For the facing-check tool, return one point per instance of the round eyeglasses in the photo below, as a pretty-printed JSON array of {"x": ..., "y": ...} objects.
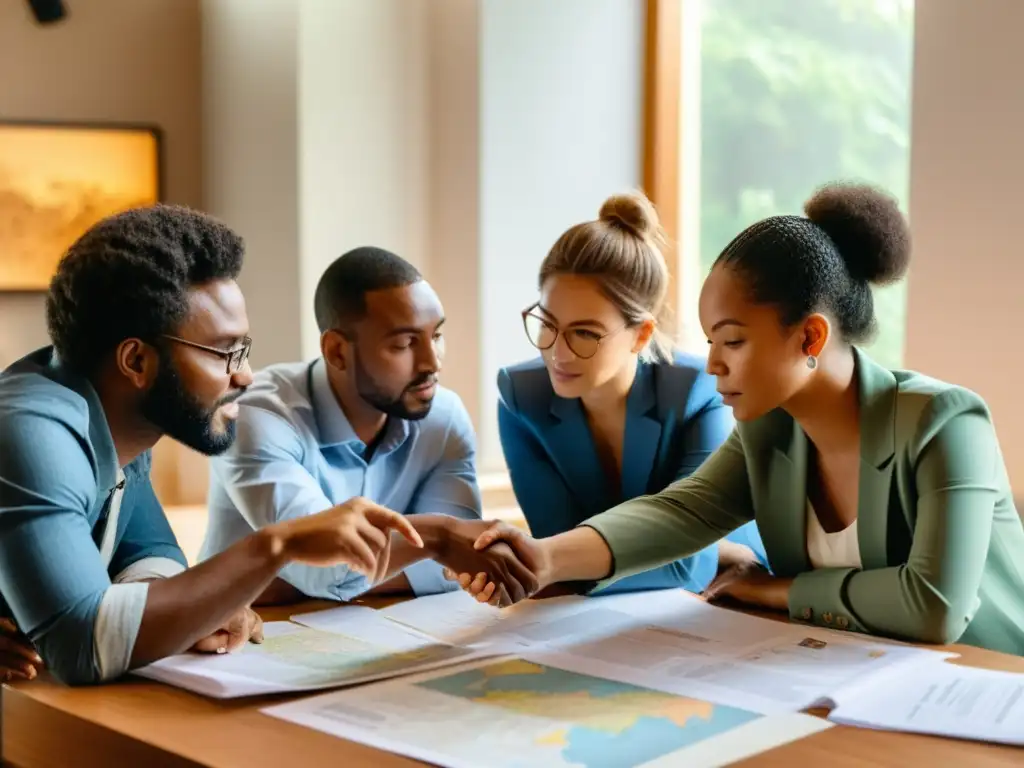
[
  {"x": 542, "y": 333},
  {"x": 234, "y": 358}
]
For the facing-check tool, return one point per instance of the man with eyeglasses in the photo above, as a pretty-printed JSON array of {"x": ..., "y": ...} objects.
[
  {"x": 365, "y": 417},
  {"x": 150, "y": 338}
]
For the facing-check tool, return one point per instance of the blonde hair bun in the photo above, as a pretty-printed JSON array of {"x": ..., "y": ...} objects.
[{"x": 634, "y": 213}]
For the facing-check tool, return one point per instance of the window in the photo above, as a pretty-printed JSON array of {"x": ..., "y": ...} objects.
[{"x": 779, "y": 97}]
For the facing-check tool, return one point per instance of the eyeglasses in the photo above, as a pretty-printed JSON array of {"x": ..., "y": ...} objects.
[
  {"x": 582, "y": 342},
  {"x": 235, "y": 357}
]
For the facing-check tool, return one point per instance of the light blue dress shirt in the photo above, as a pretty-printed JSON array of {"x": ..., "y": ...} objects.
[
  {"x": 78, "y": 534},
  {"x": 296, "y": 454}
]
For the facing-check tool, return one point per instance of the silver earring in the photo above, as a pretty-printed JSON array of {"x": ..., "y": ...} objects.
[{"x": 812, "y": 362}]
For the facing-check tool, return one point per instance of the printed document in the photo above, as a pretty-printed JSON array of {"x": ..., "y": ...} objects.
[
  {"x": 296, "y": 658},
  {"x": 943, "y": 700},
  {"x": 669, "y": 640},
  {"x": 520, "y": 713}
]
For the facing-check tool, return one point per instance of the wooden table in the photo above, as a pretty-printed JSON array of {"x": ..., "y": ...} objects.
[{"x": 142, "y": 723}]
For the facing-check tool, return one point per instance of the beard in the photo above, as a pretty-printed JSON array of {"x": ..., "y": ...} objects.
[
  {"x": 391, "y": 405},
  {"x": 170, "y": 407}
]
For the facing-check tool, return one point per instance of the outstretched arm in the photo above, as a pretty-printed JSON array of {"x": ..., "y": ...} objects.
[
  {"x": 646, "y": 532},
  {"x": 54, "y": 579}
]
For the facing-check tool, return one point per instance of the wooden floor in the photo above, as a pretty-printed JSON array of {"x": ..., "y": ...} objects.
[{"x": 189, "y": 525}]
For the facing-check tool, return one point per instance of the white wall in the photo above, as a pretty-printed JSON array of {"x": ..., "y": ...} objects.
[
  {"x": 965, "y": 313},
  {"x": 453, "y": 193},
  {"x": 465, "y": 135},
  {"x": 362, "y": 107},
  {"x": 561, "y": 89},
  {"x": 251, "y": 150}
]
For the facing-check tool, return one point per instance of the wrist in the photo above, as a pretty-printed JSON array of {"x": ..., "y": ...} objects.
[
  {"x": 272, "y": 544},
  {"x": 435, "y": 530},
  {"x": 547, "y": 572}
]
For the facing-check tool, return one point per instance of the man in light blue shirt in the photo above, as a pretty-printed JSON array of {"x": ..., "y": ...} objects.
[{"x": 367, "y": 419}]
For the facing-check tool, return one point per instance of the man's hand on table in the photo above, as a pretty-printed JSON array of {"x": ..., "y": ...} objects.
[
  {"x": 245, "y": 626},
  {"x": 18, "y": 657}
]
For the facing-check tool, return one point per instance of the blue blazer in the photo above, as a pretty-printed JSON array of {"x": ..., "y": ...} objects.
[{"x": 675, "y": 419}]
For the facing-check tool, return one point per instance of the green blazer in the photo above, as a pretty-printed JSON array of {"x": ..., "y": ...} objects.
[{"x": 941, "y": 543}]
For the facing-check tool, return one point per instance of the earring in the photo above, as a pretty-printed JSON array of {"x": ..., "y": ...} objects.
[{"x": 812, "y": 362}]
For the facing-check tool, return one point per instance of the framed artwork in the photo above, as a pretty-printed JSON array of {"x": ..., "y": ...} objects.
[{"x": 57, "y": 180}]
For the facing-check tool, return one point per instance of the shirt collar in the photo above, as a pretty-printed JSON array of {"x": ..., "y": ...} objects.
[
  {"x": 108, "y": 470},
  {"x": 333, "y": 426}
]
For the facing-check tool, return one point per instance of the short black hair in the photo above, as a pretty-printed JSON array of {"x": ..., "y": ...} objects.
[
  {"x": 129, "y": 276},
  {"x": 340, "y": 297},
  {"x": 853, "y": 236}
]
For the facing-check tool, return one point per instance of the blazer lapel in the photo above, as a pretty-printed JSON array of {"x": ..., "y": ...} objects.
[
  {"x": 782, "y": 523},
  {"x": 572, "y": 448},
  {"x": 643, "y": 434},
  {"x": 877, "y": 449}
]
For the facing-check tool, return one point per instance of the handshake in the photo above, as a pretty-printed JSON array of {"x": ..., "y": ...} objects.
[{"x": 495, "y": 562}]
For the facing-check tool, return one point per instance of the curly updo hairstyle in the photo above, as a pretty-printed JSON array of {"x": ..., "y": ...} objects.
[{"x": 853, "y": 237}]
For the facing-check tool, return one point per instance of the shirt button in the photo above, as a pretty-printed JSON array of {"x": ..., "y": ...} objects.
[
  {"x": 826, "y": 617},
  {"x": 842, "y": 622},
  {"x": 806, "y": 614}
]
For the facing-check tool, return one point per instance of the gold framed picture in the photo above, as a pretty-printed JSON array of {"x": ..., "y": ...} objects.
[{"x": 57, "y": 180}]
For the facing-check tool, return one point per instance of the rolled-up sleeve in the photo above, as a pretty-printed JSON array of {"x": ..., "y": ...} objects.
[
  {"x": 452, "y": 489},
  {"x": 52, "y": 576},
  {"x": 264, "y": 477}
]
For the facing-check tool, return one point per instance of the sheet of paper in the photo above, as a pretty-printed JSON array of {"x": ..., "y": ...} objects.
[
  {"x": 519, "y": 713},
  {"x": 735, "y": 659},
  {"x": 449, "y": 617},
  {"x": 296, "y": 658},
  {"x": 943, "y": 700},
  {"x": 344, "y": 619},
  {"x": 457, "y": 618}
]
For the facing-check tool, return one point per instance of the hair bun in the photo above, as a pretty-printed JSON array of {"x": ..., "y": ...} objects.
[
  {"x": 867, "y": 227},
  {"x": 632, "y": 212}
]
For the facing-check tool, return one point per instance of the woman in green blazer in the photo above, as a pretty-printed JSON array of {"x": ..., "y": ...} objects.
[{"x": 881, "y": 496}]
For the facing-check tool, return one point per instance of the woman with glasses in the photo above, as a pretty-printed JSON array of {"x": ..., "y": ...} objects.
[{"x": 610, "y": 412}]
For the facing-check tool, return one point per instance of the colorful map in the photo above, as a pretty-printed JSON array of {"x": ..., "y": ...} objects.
[
  {"x": 311, "y": 657},
  {"x": 595, "y": 723}
]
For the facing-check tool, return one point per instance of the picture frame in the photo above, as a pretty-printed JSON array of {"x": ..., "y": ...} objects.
[{"x": 57, "y": 179}]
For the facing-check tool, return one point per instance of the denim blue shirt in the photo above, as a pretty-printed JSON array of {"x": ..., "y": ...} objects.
[
  {"x": 296, "y": 454},
  {"x": 58, "y": 473},
  {"x": 675, "y": 419}
]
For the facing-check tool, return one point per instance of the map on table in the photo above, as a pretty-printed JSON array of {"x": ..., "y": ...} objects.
[
  {"x": 517, "y": 713},
  {"x": 296, "y": 658},
  {"x": 588, "y": 721}
]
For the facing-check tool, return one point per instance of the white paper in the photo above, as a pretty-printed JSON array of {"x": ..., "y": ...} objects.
[
  {"x": 450, "y": 617},
  {"x": 518, "y": 713},
  {"x": 296, "y": 658},
  {"x": 943, "y": 700},
  {"x": 457, "y": 618},
  {"x": 669, "y": 640},
  {"x": 734, "y": 659}
]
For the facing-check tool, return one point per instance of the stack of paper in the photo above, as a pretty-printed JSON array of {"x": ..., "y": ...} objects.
[
  {"x": 637, "y": 679},
  {"x": 667, "y": 640}
]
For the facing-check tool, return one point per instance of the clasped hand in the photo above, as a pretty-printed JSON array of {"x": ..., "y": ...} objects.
[{"x": 512, "y": 545}]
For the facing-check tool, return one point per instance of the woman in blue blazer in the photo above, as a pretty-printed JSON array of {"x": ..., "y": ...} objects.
[{"x": 609, "y": 412}]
